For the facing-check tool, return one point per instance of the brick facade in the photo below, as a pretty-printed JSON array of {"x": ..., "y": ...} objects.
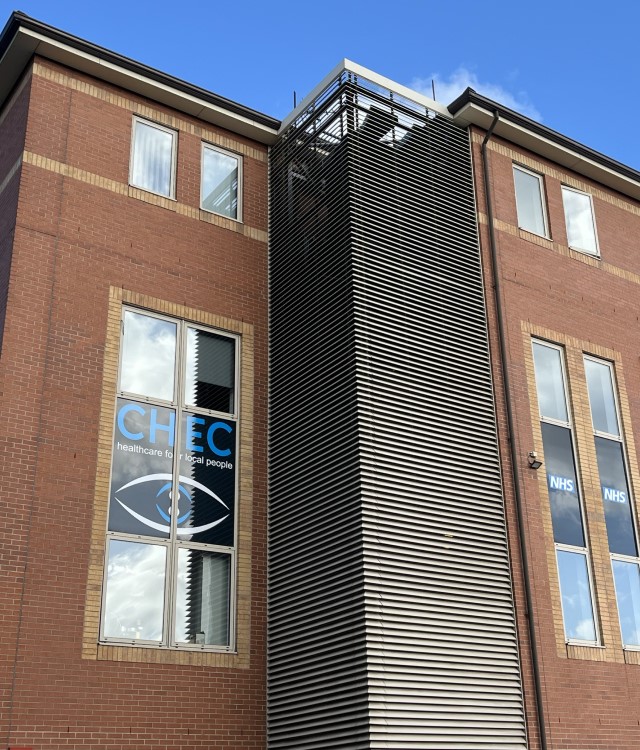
[
  {"x": 587, "y": 305},
  {"x": 84, "y": 242}
]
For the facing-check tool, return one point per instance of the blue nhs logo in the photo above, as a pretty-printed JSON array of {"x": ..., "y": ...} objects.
[
  {"x": 561, "y": 483},
  {"x": 614, "y": 496}
]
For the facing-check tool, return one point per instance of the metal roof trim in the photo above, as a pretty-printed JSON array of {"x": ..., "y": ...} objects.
[
  {"x": 472, "y": 108},
  {"x": 23, "y": 37}
]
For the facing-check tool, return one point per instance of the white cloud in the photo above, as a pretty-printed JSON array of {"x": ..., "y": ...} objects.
[{"x": 449, "y": 88}]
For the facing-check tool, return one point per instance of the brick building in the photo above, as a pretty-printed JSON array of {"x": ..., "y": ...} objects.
[{"x": 453, "y": 384}]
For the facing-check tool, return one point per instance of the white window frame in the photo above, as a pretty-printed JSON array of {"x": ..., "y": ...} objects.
[
  {"x": 585, "y": 551},
  {"x": 173, "y": 545},
  {"x": 595, "y": 254},
  {"x": 174, "y": 155},
  {"x": 619, "y": 439},
  {"x": 543, "y": 200},
  {"x": 238, "y": 157}
]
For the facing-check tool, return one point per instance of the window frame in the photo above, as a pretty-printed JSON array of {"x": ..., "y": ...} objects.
[
  {"x": 595, "y": 254},
  {"x": 543, "y": 200},
  {"x": 206, "y": 145},
  {"x": 620, "y": 438},
  {"x": 174, "y": 156},
  {"x": 560, "y": 546},
  {"x": 172, "y": 543}
]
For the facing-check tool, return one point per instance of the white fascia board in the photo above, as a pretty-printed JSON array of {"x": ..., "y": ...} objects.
[
  {"x": 104, "y": 70},
  {"x": 473, "y": 114},
  {"x": 369, "y": 75}
]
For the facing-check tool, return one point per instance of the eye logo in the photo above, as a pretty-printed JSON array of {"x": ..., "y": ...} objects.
[{"x": 183, "y": 493}]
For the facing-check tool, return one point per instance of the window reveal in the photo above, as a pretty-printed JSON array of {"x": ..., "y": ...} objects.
[
  {"x": 572, "y": 553},
  {"x": 153, "y": 157},
  {"x": 616, "y": 497},
  {"x": 171, "y": 532},
  {"x": 530, "y": 201},
  {"x": 221, "y": 182},
  {"x": 579, "y": 218}
]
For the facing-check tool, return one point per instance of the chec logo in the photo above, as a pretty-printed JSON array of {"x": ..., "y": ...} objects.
[{"x": 165, "y": 490}]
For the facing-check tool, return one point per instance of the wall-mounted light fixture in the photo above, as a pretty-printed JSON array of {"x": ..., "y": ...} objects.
[{"x": 534, "y": 461}]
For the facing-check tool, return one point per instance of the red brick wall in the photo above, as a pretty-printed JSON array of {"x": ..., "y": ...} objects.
[
  {"x": 73, "y": 240},
  {"x": 591, "y": 700}
]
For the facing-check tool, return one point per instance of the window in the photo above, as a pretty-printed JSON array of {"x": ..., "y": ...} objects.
[
  {"x": 616, "y": 498},
  {"x": 170, "y": 551},
  {"x": 221, "y": 182},
  {"x": 569, "y": 535},
  {"x": 530, "y": 201},
  {"x": 578, "y": 214},
  {"x": 153, "y": 157}
]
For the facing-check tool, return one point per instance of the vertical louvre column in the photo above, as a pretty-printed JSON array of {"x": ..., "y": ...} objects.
[{"x": 380, "y": 361}]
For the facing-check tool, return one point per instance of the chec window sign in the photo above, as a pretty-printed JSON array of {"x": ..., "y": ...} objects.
[{"x": 170, "y": 553}]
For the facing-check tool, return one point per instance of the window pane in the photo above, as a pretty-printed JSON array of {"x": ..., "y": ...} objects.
[
  {"x": 202, "y": 604},
  {"x": 220, "y": 183},
  {"x": 148, "y": 356},
  {"x": 615, "y": 497},
  {"x": 529, "y": 202},
  {"x": 576, "y": 596},
  {"x": 134, "y": 600},
  {"x": 601, "y": 398},
  {"x": 210, "y": 371},
  {"x": 141, "y": 476},
  {"x": 627, "y": 581},
  {"x": 578, "y": 214},
  {"x": 562, "y": 484},
  {"x": 550, "y": 382},
  {"x": 152, "y": 158},
  {"x": 207, "y": 480}
]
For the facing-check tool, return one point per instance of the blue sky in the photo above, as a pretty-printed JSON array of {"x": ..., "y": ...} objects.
[{"x": 571, "y": 65}]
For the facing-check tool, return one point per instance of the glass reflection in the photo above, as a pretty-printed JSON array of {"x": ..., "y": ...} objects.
[
  {"x": 579, "y": 219},
  {"x": 529, "y": 202},
  {"x": 148, "y": 356},
  {"x": 220, "y": 183},
  {"x": 140, "y": 501},
  {"x": 202, "y": 606},
  {"x": 134, "y": 600},
  {"x": 627, "y": 579},
  {"x": 210, "y": 371},
  {"x": 576, "y": 596},
  {"x": 207, "y": 470},
  {"x": 550, "y": 382},
  {"x": 601, "y": 398},
  {"x": 563, "y": 486},
  {"x": 615, "y": 497}
]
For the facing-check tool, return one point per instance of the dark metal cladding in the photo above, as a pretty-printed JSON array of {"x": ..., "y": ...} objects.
[{"x": 391, "y": 613}]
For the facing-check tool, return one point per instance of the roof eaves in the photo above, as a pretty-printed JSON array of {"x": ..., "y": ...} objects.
[
  {"x": 473, "y": 108},
  {"x": 22, "y": 37}
]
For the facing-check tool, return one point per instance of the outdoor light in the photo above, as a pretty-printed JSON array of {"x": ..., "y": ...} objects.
[{"x": 534, "y": 461}]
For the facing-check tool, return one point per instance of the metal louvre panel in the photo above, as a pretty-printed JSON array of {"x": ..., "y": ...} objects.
[
  {"x": 438, "y": 593},
  {"x": 317, "y": 678},
  {"x": 390, "y": 602}
]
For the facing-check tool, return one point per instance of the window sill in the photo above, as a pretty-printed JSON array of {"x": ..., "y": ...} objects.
[
  {"x": 207, "y": 212},
  {"x": 155, "y": 655}
]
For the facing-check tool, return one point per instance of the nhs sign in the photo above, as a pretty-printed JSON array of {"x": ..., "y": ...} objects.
[
  {"x": 563, "y": 484},
  {"x": 614, "y": 496}
]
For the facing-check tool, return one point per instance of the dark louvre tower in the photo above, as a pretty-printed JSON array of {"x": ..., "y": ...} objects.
[{"x": 391, "y": 613}]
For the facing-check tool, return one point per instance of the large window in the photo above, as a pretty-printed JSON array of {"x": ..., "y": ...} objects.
[
  {"x": 578, "y": 214},
  {"x": 153, "y": 158},
  {"x": 569, "y": 535},
  {"x": 532, "y": 214},
  {"x": 221, "y": 182},
  {"x": 170, "y": 553},
  {"x": 616, "y": 498}
]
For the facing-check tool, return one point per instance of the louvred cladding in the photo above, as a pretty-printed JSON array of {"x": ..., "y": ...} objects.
[{"x": 391, "y": 612}]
